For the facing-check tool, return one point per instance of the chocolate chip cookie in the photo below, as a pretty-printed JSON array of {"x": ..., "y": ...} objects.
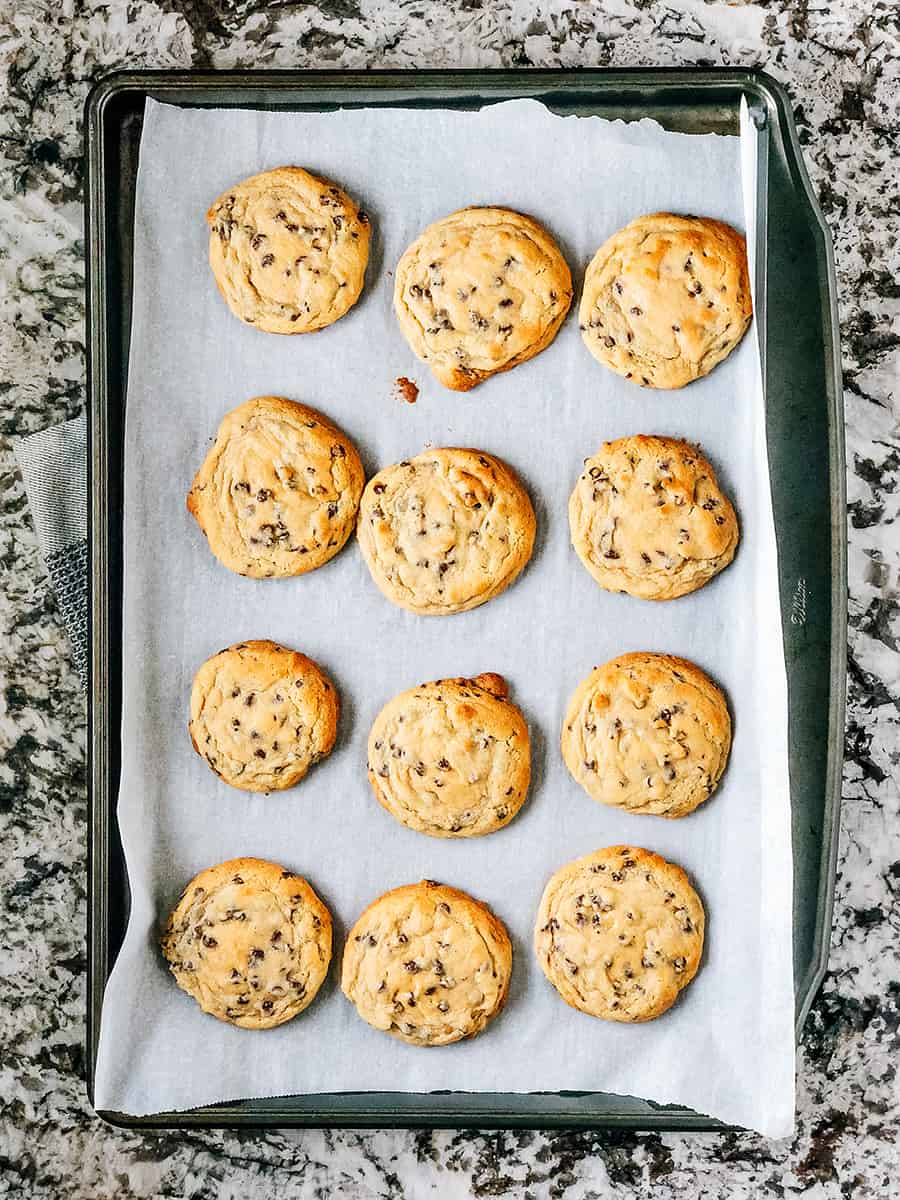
[
  {"x": 278, "y": 491},
  {"x": 648, "y": 517},
  {"x": 428, "y": 964},
  {"x": 261, "y": 715},
  {"x": 451, "y": 758},
  {"x": 649, "y": 733},
  {"x": 445, "y": 531},
  {"x": 480, "y": 292},
  {"x": 666, "y": 299},
  {"x": 288, "y": 251},
  {"x": 250, "y": 941},
  {"x": 619, "y": 933}
]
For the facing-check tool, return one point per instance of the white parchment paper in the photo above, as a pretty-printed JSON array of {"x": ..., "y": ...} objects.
[{"x": 727, "y": 1047}]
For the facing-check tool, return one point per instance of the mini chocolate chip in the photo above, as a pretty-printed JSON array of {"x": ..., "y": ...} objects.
[{"x": 267, "y": 260}]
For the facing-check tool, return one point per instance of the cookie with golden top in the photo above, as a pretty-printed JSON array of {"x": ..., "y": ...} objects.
[
  {"x": 451, "y": 758},
  {"x": 250, "y": 941},
  {"x": 648, "y": 517},
  {"x": 288, "y": 250},
  {"x": 666, "y": 299},
  {"x": 261, "y": 715},
  {"x": 278, "y": 491},
  {"x": 481, "y": 291},
  {"x": 649, "y": 733},
  {"x": 445, "y": 531},
  {"x": 428, "y": 964},
  {"x": 619, "y": 933}
]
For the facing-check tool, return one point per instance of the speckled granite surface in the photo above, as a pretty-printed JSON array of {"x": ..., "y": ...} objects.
[{"x": 842, "y": 64}]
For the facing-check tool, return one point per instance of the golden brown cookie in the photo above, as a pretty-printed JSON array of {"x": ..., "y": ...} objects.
[
  {"x": 451, "y": 758},
  {"x": 446, "y": 531},
  {"x": 279, "y": 490},
  {"x": 250, "y": 941},
  {"x": 480, "y": 292},
  {"x": 288, "y": 251},
  {"x": 666, "y": 298},
  {"x": 428, "y": 964},
  {"x": 261, "y": 715},
  {"x": 649, "y": 733},
  {"x": 619, "y": 933},
  {"x": 648, "y": 517}
]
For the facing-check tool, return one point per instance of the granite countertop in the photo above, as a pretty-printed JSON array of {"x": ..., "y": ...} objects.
[{"x": 840, "y": 62}]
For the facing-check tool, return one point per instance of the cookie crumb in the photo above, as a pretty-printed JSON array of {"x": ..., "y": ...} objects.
[{"x": 406, "y": 389}]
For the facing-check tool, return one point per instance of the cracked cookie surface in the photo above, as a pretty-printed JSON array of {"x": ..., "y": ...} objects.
[
  {"x": 481, "y": 291},
  {"x": 666, "y": 299},
  {"x": 288, "y": 251},
  {"x": 250, "y": 941},
  {"x": 445, "y": 531},
  {"x": 649, "y": 733},
  {"x": 619, "y": 933},
  {"x": 278, "y": 491},
  {"x": 261, "y": 715},
  {"x": 428, "y": 964},
  {"x": 648, "y": 517},
  {"x": 451, "y": 758}
]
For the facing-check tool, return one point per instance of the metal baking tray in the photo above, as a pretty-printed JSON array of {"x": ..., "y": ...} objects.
[{"x": 799, "y": 334}]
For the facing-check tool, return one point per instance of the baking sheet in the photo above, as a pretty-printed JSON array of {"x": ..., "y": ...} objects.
[{"x": 727, "y": 1047}]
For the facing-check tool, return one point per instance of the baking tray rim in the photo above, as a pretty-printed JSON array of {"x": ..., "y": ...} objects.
[{"x": 751, "y": 81}]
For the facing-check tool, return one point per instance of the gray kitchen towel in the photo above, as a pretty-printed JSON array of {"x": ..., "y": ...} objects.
[{"x": 54, "y": 471}]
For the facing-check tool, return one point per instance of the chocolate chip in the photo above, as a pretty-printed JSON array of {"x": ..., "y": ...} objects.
[
  {"x": 412, "y": 966},
  {"x": 267, "y": 260}
]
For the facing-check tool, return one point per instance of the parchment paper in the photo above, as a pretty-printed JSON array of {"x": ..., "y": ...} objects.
[{"x": 727, "y": 1047}]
